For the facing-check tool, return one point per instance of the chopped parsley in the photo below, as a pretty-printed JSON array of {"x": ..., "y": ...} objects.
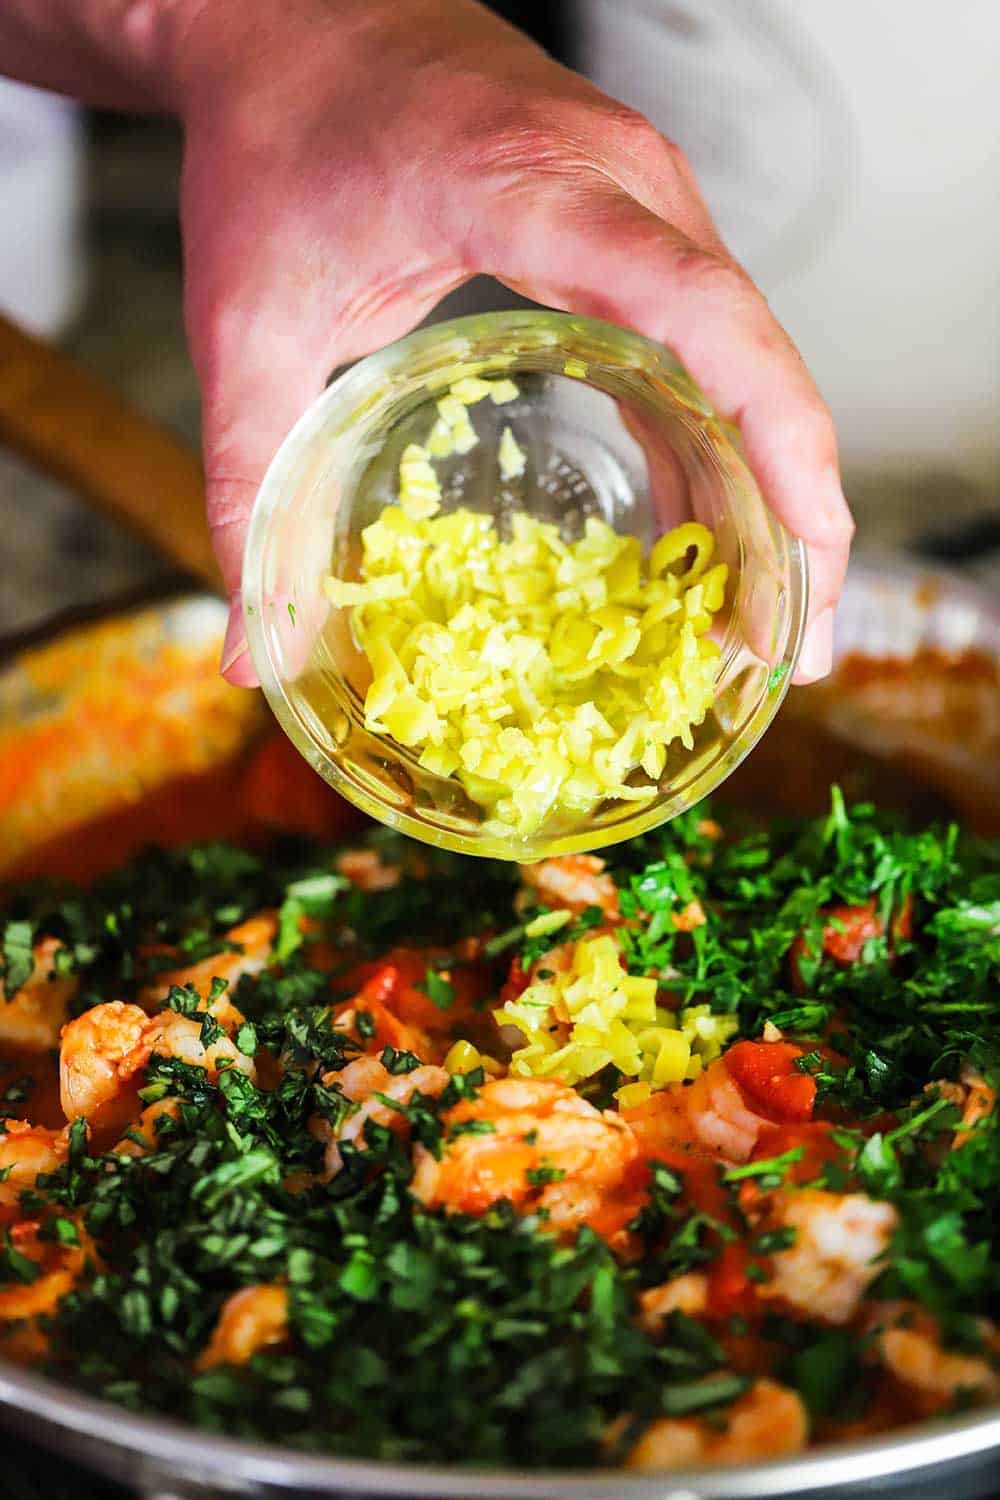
[{"x": 18, "y": 956}]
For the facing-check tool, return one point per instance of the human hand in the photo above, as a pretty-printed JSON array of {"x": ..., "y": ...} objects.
[{"x": 349, "y": 163}]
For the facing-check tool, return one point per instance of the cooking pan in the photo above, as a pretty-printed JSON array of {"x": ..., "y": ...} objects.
[{"x": 62, "y": 419}]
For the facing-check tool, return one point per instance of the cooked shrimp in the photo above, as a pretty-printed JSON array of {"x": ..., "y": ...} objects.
[
  {"x": 908, "y": 1343},
  {"x": 978, "y": 1104},
  {"x": 360, "y": 1081},
  {"x": 548, "y": 1150},
  {"x": 839, "y": 1238},
  {"x": 173, "y": 1035},
  {"x": 386, "y": 1028},
  {"x": 366, "y": 869},
  {"x": 27, "y": 1152},
  {"x": 143, "y": 1136},
  {"x": 709, "y": 1116},
  {"x": 254, "y": 939},
  {"x": 744, "y": 1095},
  {"x": 766, "y": 1422},
  {"x": 918, "y": 1361},
  {"x": 22, "y": 1303},
  {"x": 686, "y": 1294},
  {"x": 573, "y": 881},
  {"x": 251, "y": 1319},
  {"x": 105, "y": 1050},
  {"x": 35, "y": 1015},
  {"x": 100, "y": 1059}
]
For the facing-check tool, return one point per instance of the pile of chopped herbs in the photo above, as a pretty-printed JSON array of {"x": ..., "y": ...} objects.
[{"x": 424, "y": 1336}]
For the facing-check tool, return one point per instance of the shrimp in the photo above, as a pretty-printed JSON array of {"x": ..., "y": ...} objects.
[
  {"x": 251, "y": 1319},
  {"x": 173, "y": 1035},
  {"x": 767, "y": 1421},
  {"x": 573, "y": 881},
  {"x": 908, "y": 1344},
  {"x": 709, "y": 1117},
  {"x": 101, "y": 1058},
  {"x": 366, "y": 869},
  {"x": 387, "y": 1030},
  {"x": 22, "y": 1303},
  {"x": 35, "y": 1014},
  {"x": 549, "y": 1150},
  {"x": 144, "y": 1135},
  {"x": 740, "y": 1098},
  {"x": 105, "y": 1051},
  {"x": 361, "y": 1081},
  {"x": 254, "y": 940},
  {"x": 686, "y": 1294},
  {"x": 26, "y": 1153},
  {"x": 979, "y": 1102},
  {"x": 839, "y": 1238}
]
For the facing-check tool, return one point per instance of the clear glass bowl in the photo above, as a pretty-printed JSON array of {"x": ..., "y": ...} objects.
[{"x": 626, "y": 436}]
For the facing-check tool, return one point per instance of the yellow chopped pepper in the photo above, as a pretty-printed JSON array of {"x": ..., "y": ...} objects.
[{"x": 548, "y": 676}]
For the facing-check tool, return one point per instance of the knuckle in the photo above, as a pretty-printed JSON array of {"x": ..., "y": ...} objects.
[
  {"x": 629, "y": 131},
  {"x": 508, "y": 131},
  {"x": 710, "y": 274}
]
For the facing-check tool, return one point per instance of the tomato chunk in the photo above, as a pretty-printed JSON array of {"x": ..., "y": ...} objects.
[
  {"x": 846, "y": 931},
  {"x": 730, "y": 1289},
  {"x": 814, "y": 1139},
  {"x": 772, "y": 1084}
]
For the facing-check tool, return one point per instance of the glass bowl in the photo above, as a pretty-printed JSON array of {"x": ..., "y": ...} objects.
[{"x": 613, "y": 427}]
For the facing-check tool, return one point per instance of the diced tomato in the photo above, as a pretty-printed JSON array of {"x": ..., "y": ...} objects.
[
  {"x": 700, "y": 1174},
  {"x": 846, "y": 931},
  {"x": 815, "y": 1140},
  {"x": 379, "y": 986},
  {"x": 406, "y": 995},
  {"x": 689, "y": 917},
  {"x": 902, "y": 922},
  {"x": 773, "y": 1085},
  {"x": 26, "y": 1230},
  {"x": 730, "y": 1289},
  {"x": 516, "y": 983}
]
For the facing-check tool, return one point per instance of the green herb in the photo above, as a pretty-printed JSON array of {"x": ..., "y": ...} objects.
[
  {"x": 682, "y": 1400},
  {"x": 478, "y": 1127},
  {"x": 541, "y": 1176},
  {"x": 774, "y": 1240},
  {"x": 438, "y": 990},
  {"x": 825, "y": 1369},
  {"x": 771, "y": 1166},
  {"x": 18, "y": 956},
  {"x": 17, "y": 1267},
  {"x": 398, "y": 1062},
  {"x": 245, "y": 1039}
]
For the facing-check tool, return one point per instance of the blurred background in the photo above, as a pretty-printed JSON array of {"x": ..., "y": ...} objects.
[{"x": 852, "y": 161}]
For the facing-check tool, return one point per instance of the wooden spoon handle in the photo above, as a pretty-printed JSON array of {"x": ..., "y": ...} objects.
[{"x": 75, "y": 428}]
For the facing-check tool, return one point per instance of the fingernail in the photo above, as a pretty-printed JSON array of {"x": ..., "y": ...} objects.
[
  {"x": 816, "y": 656},
  {"x": 235, "y": 644}
]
